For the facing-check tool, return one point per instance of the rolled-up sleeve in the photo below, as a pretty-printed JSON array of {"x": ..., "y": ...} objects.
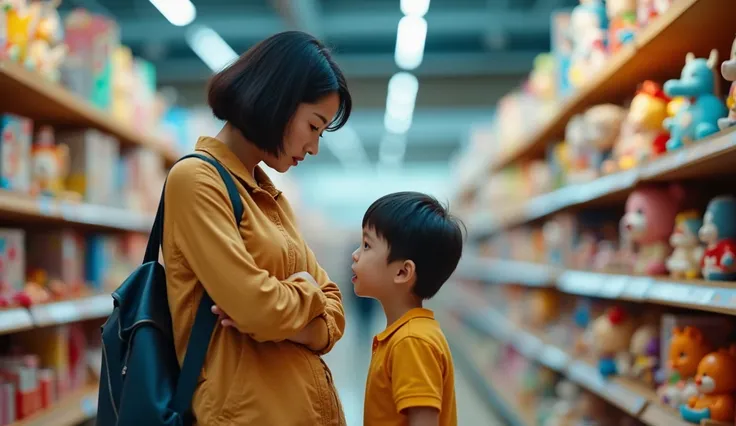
[{"x": 206, "y": 234}]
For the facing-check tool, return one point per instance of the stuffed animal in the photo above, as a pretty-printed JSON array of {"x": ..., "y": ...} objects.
[
  {"x": 728, "y": 70},
  {"x": 688, "y": 252},
  {"x": 687, "y": 347},
  {"x": 648, "y": 222},
  {"x": 716, "y": 384},
  {"x": 719, "y": 234},
  {"x": 611, "y": 336}
]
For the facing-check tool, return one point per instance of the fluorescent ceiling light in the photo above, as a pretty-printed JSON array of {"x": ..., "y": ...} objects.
[
  {"x": 178, "y": 12},
  {"x": 414, "y": 7},
  {"x": 410, "y": 38},
  {"x": 346, "y": 145},
  {"x": 400, "y": 101},
  {"x": 210, "y": 48},
  {"x": 392, "y": 149}
]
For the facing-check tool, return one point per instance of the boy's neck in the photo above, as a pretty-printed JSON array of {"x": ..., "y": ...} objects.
[{"x": 397, "y": 307}]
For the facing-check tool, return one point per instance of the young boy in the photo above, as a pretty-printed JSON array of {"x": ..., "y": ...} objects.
[{"x": 411, "y": 246}]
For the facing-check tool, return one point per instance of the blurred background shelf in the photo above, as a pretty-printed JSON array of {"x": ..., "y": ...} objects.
[{"x": 70, "y": 411}]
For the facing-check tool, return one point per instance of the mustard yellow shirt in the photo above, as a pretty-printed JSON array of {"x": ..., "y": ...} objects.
[
  {"x": 411, "y": 366},
  {"x": 252, "y": 374}
]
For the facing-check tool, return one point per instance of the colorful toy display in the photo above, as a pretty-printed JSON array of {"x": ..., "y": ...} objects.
[
  {"x": 688, "y": 252},
  {"x": 622, "y": 15},
  {"x": 728, "y": 69},
  {"x": 589, "y": 26},
  {"x": 611, "y": 336},
  {"x": 644, "y": 353},
  {"x": 699, "y": 118},
  {"x": 15, "y": 153},
  {"x": 719, "y": 234}
]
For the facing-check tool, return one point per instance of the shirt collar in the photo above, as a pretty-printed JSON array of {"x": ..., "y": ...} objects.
[
  {"x": 220, "y": 152},
  {"x": 412, "y": 314}
]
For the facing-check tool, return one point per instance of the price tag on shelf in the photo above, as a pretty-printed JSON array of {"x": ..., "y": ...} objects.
[
  {"x": 680, "y": 293},
  {"x": 613, "y": 286},
  {"x": 724, "y": 298},
  {"x": 636, "y": 288}
]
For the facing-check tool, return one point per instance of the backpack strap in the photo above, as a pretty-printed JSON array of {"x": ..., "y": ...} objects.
[{"x": 204, "y": 321}]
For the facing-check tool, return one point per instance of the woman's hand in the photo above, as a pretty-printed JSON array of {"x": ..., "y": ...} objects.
[{"x": 302, "y": 336}]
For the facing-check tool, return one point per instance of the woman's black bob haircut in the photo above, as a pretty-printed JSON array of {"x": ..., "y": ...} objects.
[{"x": 259, "y": 93}]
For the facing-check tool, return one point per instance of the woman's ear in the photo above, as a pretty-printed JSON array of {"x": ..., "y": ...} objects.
[{"x": 406, "y": 273}]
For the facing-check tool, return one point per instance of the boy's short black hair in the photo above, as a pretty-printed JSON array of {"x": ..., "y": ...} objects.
[
  {"x": 417, "y": 227},
  {"x": 259, "y": 93}
]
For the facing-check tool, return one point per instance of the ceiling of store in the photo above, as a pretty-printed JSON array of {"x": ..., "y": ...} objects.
[{"x": 479, "y": 40}]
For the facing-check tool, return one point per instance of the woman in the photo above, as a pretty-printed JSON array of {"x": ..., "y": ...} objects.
[{"x": 276, "y": 100}]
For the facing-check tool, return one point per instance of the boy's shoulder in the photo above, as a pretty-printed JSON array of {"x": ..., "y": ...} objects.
[{"x": 425, "y": 328}]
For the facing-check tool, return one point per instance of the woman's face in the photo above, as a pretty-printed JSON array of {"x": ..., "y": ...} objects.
[{"x": 303, "y": 132}]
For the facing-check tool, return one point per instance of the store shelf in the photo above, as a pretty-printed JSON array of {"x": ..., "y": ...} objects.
[
  {"x": 14, "y": 320},
  {"x": 28, "y": 94},
  {"x": 500, "y": 404},
  {"x": 23, "y": 208},
  {"x": 627, "y": 395},
  {"x": 709, "y": 158},
  {"x": 712, "y": 296},
  {"x": 69, "y": 311},
  {"x": 71, "y": 411},
  {"x": 665, "y": 42}
]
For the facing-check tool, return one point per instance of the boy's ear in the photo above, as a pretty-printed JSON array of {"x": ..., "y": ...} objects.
[{"x": 406, "y": 273}]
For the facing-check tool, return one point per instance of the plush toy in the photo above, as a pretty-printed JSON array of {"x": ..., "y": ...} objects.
[
  {"x": 648, "y": 222},
  {"x": 602, "y": 130},
  {"x": 688, "y": 252},
  {"x": 589, "y": 26},
  {"x": 728, "y": 69},
  {"x": 644, "y": 352},
  {"x": 719, "y": 234},
  {"x": 687, "y": 347},
  {"x": 699, "y": 118},
  {"x": 716, "y": 384},
  {"x": 623, "y": 23},
  {"x": 611, "y": 336}
]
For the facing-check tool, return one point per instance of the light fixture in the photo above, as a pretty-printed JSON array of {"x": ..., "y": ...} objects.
[
  {"x": 400, "y": 101},
  {"x": 410, "y": 38},
  {"x": 414, "y": 7},
  {"x": 210, "y": 47},
  {"x": 392, "y": 149},
  {"x": 178, "y": 12},
  {"x": 346, "y": 145}
]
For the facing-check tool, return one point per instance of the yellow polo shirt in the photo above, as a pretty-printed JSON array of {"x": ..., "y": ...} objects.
[{"x": 411, "y": 366}]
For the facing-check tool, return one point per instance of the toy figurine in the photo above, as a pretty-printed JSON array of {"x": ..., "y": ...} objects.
[
  {"x": 611, "y": 336},
  {"x": 688, "y": 252},
  {"x": 644, "y": 350},
  {"x": 716, "y": 382},
  {"x": 647, "y": 113},
  {"x": 544, "y": 305},
  {"x": 623, "y": 23},
  {"x": 650, "y": 9},
  {"x": 50, "y": 164},
  {"x": 648, "y": 222},
  {"x": 589, "y": 25},
  {"x": 699, "y": 118},
  {"x": 602, "y": 130},
  {"x": 728, "y": 69},
  {"x": 687, "y": 347},
  {"x": 719, "y": 234}
]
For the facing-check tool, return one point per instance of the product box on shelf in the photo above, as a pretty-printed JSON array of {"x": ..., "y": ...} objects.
[
  {"x": 94, "y": 158},
  {"x": 142, "y": 179},
  {"x": 15, "y": 153},
  {"x": 122, "y": 84},
  {"x": 91, "y": 40},
  {"x": 58, "y": 256},
  {"x": 12, "y": 262}
]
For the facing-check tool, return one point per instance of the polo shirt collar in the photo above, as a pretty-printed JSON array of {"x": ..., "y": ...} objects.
[
  {"x": 220, "y": 152},
  {"x": 412, "y": 314}
]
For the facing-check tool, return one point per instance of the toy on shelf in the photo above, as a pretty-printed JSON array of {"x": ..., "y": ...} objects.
[
  {"x": 622, "y": 15},
  {"x": 46, "y": 49},
  {"x": 602, "y": 130},
  {"x": 644, "y": 353},
  {"x": 50, "y": 164},
  {"x": 687, "y": 347},
  {"x": 699, "y": 118},
  {"x": 642, "y": 135},
  {"x": 650, "y": 9},
  {"x": 688, "y": 252},
  {"x": 589, "y": 26},
  {"x": 648, "y": 222},
  {"x": 728, "y": 69},
  {"x": 719, "y": 234},
  {"x": 611, "y": 337},
  {"x": 716, "y": 384}
]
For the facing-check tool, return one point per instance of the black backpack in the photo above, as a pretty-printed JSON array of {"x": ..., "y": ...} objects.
[{"x": 141, "y": 383}]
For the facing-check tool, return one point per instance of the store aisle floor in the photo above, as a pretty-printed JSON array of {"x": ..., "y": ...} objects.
[{"x": 349, "y": 363}]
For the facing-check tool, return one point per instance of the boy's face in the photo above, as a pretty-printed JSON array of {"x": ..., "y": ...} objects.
[{"x": 373, "y": 276}]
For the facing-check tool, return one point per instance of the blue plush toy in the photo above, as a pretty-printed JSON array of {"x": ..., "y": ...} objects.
[{"x": 699, "y": 118}]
